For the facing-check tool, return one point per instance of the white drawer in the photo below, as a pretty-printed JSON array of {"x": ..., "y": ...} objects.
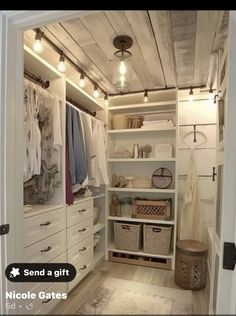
[
  {"x": 41, "y": 286},
  {"x": 79, "y": 232},
  {"x": 82, "y": 269},
  {"x": 42, "y": 226},
  {"x": 79, "y": 212},
  {"x": 44, "y": 306},
  {"x": 47, "y": 249},
  {"x": 81, "y": 251}
]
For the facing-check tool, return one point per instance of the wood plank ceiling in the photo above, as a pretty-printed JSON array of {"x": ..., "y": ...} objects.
[{"x": 170, "y": 48}]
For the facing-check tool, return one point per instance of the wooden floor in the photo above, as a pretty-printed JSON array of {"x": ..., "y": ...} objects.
[{"x": 126, "y": 272}]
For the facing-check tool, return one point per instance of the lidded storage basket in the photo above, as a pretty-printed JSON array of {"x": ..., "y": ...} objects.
[
  {"x": 127, "y": 236},
  {"x": 156, "y": 239},
  {"x": 152, "y": 209}
]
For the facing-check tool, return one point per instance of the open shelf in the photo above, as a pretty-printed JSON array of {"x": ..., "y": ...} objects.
[
  {"x": 146, "y": 106},
  {"x": 98, "y": 227},
  {"x": 141, "y": 190},
  {"x": 139, "y": 159},
  {"x": 98, "y": 196},
  {"x": 140, "y": 220},
  {"x": 140, "y": 253},
  {"x": 140, "y": 130}
]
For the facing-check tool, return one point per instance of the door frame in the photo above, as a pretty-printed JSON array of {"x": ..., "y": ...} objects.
[{"x": 12, "y": 26}]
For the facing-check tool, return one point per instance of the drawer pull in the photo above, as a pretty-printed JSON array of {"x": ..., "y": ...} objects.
[
  {"x": 82, "y": 230},
  {"x": 46, "y": 301},
  {"x": 83, "y": 249},
  {"x": 82, "y": 211},
  {"x": 47, "y": 249},
  {"x": 45, "y": 224},
  {"x": 84, "y": 267}
]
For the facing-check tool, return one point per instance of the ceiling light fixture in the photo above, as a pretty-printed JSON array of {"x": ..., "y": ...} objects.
[
  {"x": 38, "y": 46},
  {"x": 145, "y": 98},
  {"x": 82, "y": 80},
  {"x": 121, "y": 66},
  {"x": 61, "y": 66},
  {"x": 95, "y": 91},
  {"x": 191, "y": 96},
  {"x": 106, "y": 102}
]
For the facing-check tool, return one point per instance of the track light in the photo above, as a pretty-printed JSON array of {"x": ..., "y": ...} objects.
[
  {"x": 95, "y": 91},
  {"x": 38, "y": 46},
  {"x": 191, "y": 96},
  {"x": 61, "y": 66},
  {"x": 145, "y": 98},
  {"x": 106, "y": 102},
  {"x": 82, "y": 80}
]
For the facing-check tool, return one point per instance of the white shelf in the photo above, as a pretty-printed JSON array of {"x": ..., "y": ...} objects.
[
  {"x": 139, "y": 253},
  {"x": 98, "y": 227},
  {"x": 140, "y": 130},
  {"x": 98, "y": 196},
  {"x": 98, "y": 256},
  {"x": 141, "y": 105},
  {"x": 139, "y": 159},
  {"x": 40, "y": 209},
  {"x": 141, "y": 190},
  {"x": 141, "y": 220}
]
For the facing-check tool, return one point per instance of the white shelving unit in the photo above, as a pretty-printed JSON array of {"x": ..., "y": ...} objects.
[{"x": 160, "y": 102}]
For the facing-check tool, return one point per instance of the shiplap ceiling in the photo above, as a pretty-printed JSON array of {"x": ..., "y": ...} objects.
[{"x": 170, "y": 48}]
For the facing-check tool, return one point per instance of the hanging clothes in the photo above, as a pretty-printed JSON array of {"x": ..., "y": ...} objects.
[
  {"x": 41, "y": 188},
  {"x": 77, "y": 157},
  {"x": 99, "y": 138},
  {"x": 191, "y": 224},
  {"x": 89, "y": 147}
]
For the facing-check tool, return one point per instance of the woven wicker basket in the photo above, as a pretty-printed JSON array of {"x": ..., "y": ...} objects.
[
  {"x": 148, "y": 209},
  {"x": 157, "y": 239},
  {"x": 127, "y": 236}
]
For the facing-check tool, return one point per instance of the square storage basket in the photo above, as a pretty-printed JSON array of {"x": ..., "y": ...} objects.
[
  {"x": 150, "y": 209},
  {"x": 156, "y": 239},
  {"x": 127, "y": 236}
]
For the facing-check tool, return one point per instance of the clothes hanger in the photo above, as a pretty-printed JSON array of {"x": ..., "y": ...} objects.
[{"x": 194, "y": 132}]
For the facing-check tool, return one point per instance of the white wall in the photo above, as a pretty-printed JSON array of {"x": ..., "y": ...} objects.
[{"x": 201, "y": 110}]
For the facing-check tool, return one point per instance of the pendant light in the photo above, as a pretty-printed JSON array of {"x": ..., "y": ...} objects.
[
  {"x": 121, "y": 65},
  {"x": 61, "y": 66},
  {"x": 145, "y": 98},
  {"x": 38, "y": 46},
  {"x": 82, "y": 80},
  {"x": 191, "y": 96},
  {"x": 95, "y": 91}
]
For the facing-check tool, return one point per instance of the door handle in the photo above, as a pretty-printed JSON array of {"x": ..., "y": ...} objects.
[
  {"x": 45, "y": 224},
  {"x": 82, "y": 211},
  {"x": 214, "y": 174},
  {"x": 46, "y": 301},
  {"x": 83, "y": 249},
  {"x": 82, "y": 230},
  {"x": 84, "y": 267},
  {"x": 47, "y": 249}
]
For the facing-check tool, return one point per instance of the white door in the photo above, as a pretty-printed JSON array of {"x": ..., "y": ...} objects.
[{"x": 225, "y": 280}]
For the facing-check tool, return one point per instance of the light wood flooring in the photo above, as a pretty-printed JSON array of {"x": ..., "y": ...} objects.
[{"x": 126, "y": 272}]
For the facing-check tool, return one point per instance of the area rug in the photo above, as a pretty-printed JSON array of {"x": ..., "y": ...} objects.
[{"x": 117, "y": 296}]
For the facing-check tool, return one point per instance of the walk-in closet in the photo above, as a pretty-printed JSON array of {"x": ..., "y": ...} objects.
[{"x": 124, "y": 161}]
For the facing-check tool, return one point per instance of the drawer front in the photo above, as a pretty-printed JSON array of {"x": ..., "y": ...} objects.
[
  {"x": 44, "y": 306},
  {"x": 47, "y": 249},
  {"x": 42, "y": 226},
  {"x": 79, "y": 232},
  {"x": 82, "y": 269},
  {"x": 41, "y": 286},
  {"x": 79, "y": 212},
  {"x": 81, "y": 251}
]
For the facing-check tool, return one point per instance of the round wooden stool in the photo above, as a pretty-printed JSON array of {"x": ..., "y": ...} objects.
[{"x": 191, "y": 264}]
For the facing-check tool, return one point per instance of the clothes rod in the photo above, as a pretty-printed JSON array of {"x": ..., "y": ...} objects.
[
  {"x": 200, "y": 175},
  {"x": 197, "y": 124},
  {"x": 200, "y": 148},
  {"x": 80, "y": 107},
  {"x": 36, "y": 79}
]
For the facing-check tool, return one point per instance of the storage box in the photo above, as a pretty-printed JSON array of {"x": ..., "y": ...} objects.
[
  {"x": 152, "y": 209},
  {"x": 163, "y": 151},
  {"x": 156, "y": 239},
  {"x": 127, "y": 236}
]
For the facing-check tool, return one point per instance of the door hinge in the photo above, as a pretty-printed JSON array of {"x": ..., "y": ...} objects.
[
  {"x": 229, "y": 257},
  {"x": 4, "y": 229}
]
